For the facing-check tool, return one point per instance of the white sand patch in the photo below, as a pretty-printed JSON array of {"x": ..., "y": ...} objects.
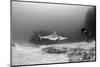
[{"x": 84, "y": 45}]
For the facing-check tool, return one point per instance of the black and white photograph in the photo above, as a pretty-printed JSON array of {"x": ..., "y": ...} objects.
[{"x": 52, "y": 33}]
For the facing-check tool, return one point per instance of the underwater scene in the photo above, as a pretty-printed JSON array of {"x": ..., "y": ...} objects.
[{"x": 51, "y": 33}]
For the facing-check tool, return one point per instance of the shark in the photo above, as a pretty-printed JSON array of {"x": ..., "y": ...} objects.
[{"x": 54, "y": 36}]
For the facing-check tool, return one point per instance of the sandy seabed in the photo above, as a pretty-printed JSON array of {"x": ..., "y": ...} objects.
[{"x": 22, "y": 54}]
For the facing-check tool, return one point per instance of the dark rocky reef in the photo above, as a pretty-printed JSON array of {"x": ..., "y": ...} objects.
[
  {"x": 78, "y": 55},
  {"x": 54, "y": 50},
  {"x": 74, "y": 54}
]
